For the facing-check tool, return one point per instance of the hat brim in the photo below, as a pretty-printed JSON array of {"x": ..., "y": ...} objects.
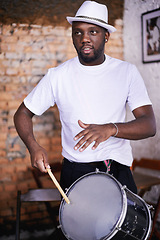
[{"x": 93, "y": 21}]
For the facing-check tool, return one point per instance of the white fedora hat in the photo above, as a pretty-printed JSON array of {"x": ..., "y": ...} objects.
[{"x": 92, "y": 12}]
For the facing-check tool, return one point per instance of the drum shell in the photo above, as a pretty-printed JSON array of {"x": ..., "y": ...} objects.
[{"x": 137, "y": 222}]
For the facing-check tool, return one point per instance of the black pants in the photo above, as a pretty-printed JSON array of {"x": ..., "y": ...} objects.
[{"x": 71, "y": 171}]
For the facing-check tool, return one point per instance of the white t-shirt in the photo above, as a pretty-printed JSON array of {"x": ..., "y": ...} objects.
[{"x": 94, "y": 94}]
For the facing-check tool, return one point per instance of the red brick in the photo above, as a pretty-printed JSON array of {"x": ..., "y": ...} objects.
[
  {"x": 3, "y": 104},
  {"x": 20, "y": 167},
  {"x": 54, "y": 155},
  {"x": 56, "y": 141},
  {"x": 10, "y": 187},
  {"x": 2, "y": 153},
  {"x": 5, "y": 196},
  {"x": 32, "y": 185},
  {"x": 3, "y": 204},
  {"x": 1, "y": 188},
  {"x": 23, "y": 186},
  {"x": 8, "y": 168},
  {"x": 44, "y": 141},
  {"x": 3, "y": 161},
  {"x": 6, "y": 97},
  {"x": 36, "y": 215},
  {"x": 2, "y": 145},
  {"x": 25, "y": 217},
  {"x": 18, "y": 160},
  {"x": 6, "y": 212},
  {"x": 32, "y": 207},
  {"x": 3, "y": 136}
]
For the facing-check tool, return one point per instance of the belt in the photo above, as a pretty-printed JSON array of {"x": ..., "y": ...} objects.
[
  {"x": 99, "y": 164},
  {"x": 96, "y": 164}
]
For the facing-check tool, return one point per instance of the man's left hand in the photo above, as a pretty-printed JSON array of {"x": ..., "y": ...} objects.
[{"x": 93, "y": 133}]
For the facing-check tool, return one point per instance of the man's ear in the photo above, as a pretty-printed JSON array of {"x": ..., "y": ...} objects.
[{"x": 107, "y": 35}]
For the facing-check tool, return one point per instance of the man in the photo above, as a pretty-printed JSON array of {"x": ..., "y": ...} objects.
[{"x": 91, "y": 92}]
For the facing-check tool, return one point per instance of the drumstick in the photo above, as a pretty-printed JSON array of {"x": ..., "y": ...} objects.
[{"x": 58, "y": 186}]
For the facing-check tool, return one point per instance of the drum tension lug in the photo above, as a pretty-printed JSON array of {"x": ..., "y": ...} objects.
[
  {"x": 124, "y": 187},
  {"x": 59, "y": 226},
  {"x": 150, "y": 207},
  {"x": 97, "y": 170},
  {"x": 118, "y": 228}
]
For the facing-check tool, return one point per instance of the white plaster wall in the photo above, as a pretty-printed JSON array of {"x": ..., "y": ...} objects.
[{"x": 132, "y": 34}]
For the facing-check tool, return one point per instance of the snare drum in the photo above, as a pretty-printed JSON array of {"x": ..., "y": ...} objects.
[{"x": 101, "y": 208}]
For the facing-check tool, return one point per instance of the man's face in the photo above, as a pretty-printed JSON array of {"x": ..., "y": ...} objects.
[{"x": 89, "y": 41}]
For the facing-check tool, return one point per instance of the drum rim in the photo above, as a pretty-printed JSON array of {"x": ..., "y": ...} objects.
[{"x": 123, "y": 210}]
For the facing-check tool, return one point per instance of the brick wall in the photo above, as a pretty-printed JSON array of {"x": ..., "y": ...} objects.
[{"x": 26, "y": 52}]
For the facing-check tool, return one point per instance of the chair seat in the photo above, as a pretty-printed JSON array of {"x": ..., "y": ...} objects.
[{"x": 41, "y": 195}]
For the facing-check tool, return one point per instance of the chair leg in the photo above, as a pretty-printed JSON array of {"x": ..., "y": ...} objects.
[{"x": 18, "y": 215}]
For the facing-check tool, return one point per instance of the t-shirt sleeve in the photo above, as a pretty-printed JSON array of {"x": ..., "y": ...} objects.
[
  {"x": 137, "y": 95},
  {"x": 41, "y": 97}
]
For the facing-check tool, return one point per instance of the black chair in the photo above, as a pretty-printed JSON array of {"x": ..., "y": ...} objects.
[
  {"x": 155, "y": 232},
  {"x": 36, "y": 195}
]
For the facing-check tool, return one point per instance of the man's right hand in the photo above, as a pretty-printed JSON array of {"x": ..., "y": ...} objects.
[{"x": 39, "y": 159}]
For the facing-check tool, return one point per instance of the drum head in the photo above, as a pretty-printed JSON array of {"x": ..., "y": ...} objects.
[{"x": 97, "y": 203}]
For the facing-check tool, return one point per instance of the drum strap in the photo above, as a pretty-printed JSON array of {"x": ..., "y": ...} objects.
[{"x": 107, "y": 163}]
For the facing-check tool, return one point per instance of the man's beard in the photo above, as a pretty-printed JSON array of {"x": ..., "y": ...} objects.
[
  {"x": 96, "y": 54},
  {"x": 87, "y": 58}
]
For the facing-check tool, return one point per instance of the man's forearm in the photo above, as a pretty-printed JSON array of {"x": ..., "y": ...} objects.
[{"x": 137, "y": 129}]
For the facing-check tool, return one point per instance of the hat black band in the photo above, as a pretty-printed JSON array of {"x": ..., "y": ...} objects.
[{"x": 91, "y": 18}]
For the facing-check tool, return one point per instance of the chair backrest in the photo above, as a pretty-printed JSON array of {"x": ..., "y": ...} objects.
[{"x": 153, "y": 164}]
